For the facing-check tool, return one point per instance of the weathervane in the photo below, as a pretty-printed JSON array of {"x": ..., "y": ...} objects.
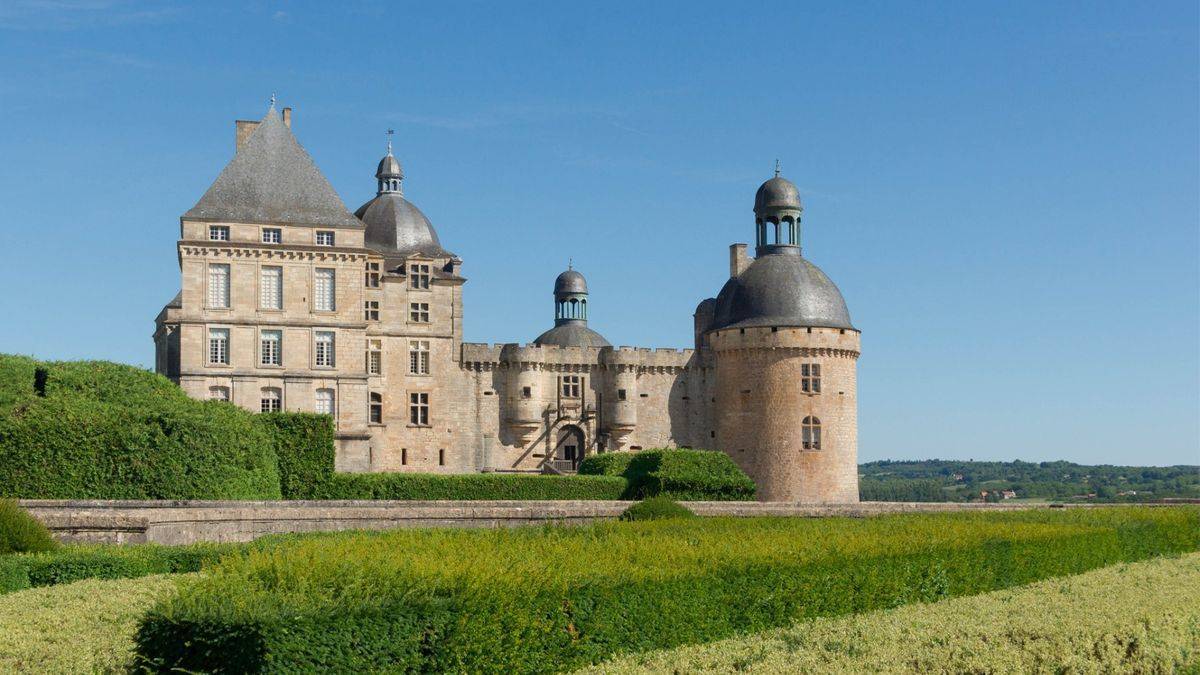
[
  {"x": 272, "y": 99},
  {"x": 570, "y": 263},
  {"x": 777, "y": 167},
  {"x": 389, "y": 135}
]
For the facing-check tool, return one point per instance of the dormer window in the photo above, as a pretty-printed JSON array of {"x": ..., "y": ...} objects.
[{"x": 324, "y": 238}]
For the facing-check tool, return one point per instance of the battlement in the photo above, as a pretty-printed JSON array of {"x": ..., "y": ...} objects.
[{"x": 512, "y": 352}]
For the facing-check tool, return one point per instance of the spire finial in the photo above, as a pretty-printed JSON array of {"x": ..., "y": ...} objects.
[
  {"x": 777, "y": 167},
  {"x": 570, "y": 263},
  {"x": 389, "y": 135},
  {"x": 272, "y": 100}
]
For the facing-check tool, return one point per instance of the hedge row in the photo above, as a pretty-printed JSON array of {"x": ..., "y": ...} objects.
[
  {"x": 1138, "y": 618},
  {"x": 73, "y": 563},
  {"x": 537, "y": 600},
  {"x": 103, "y": 431},
  {"x": 684, "y": 475},
  {"x": 475, "y": 486}
]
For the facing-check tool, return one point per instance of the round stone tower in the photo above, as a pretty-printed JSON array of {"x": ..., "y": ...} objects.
[{"x": 785, "y": 354}]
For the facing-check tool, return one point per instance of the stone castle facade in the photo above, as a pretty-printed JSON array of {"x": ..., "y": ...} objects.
[{"x": 289, "y": 301}]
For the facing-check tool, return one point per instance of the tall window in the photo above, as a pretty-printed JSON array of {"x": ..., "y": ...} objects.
[
  {"x": 271, "y": 400},
  {"x": 418, "y": 277},
  {"x": 418, "y": 312},
  {"x": 218, "y": 393},
  {"x": 323, "y": 290},
  {"x": 218, "y": 232},
  {"x": 811, "y": 433},
  {"x": 270, "y": 288},
  {"x": 269, "y": 347},
  {"x": 218, "y": 346},
  {"x": 374, "y": 357},
  {"x": 324, "y": 402},
  {"x": 272, "y": 235},
  {"x": 418, "y": 357},
  {"x": 324, "y": 349},
  {"x": 218, "y": 286},
  {"x": 572, "y": 386},
  {"x": 324, "y": 238},
  {"x": 375, "y": 410},
  {"x": 810, "y": 378},
  {"x": 418, "y": 409},
  {"x": 371, "y": 310},
  {"x": 372, "y": 280}
]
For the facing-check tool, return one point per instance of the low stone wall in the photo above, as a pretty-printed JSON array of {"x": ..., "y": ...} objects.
[{"x": 185, "y": 522}]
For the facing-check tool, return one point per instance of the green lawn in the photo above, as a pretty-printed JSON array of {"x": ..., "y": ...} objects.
[
  {"x": 1136, "y": 617},
  {"x": 82, "y": 627}
]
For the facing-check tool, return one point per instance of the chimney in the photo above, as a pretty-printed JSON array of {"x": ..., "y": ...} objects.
[
  {"x": 738, "y": 260},
  {"x": 244, "y": 129},
  {"x": 287, "y": 117}
]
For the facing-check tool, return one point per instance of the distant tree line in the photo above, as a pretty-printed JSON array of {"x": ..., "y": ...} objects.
[{"x": 938, "y": 480}]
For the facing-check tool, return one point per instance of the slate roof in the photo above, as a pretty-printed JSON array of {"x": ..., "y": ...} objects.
[
  {"x": 572, "y": 334},
  {"x": 781, "y": 290},
  {"x": 272, "y": 179},
  {"x": 395, "y": 226}
]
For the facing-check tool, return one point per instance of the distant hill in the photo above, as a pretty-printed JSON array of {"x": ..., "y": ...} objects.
[{"x": 958, "y": 481}]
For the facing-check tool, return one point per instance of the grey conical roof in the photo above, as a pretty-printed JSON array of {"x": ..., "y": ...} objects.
[{"x": 272, "y": 179}]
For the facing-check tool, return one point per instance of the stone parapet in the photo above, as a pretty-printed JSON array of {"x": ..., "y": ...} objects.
[{"x": 183, "y": 522}]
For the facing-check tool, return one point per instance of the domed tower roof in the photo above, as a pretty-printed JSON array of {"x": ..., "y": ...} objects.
[
  {"x": 777, "y": 197},
  {"x": 395, "y": 226},
  {"x": 780, "y": 287},
  {"x": 781, "y": 290},
  {"x": 570, "y": 282},
  {"x": 570, "y": 315}
]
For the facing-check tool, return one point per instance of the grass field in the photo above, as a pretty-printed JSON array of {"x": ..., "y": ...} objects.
[
  {"x": 83, "y": 627},
  {"x": 1139, "y": 617}
]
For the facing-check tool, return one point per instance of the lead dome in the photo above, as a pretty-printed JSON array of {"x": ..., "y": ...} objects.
[{"x": 395, "y": 226}]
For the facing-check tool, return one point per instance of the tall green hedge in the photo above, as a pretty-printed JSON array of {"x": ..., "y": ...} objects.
[
  {"x": 106, "y": 431},
  {"x": 535, "y": 600},
  {"x": 304, "y": 447},
  {"x": 683, "y": 475}
]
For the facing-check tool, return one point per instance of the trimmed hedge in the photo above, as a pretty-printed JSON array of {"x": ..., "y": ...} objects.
[
  {"x": 21, "y": 532},
  {"x": 683, "y": 475},
  {"x": 304, "y": 448},
  {"x": 107, "y": 431},
  {"x": 548, "y": 599},
  {"x": 656, "y": 508},
  {"x": 73, "y": 563},
  {"x": 473, "y": 486}
]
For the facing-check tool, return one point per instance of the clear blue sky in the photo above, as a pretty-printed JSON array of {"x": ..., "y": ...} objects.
[{"x": 1006, "y": 193}]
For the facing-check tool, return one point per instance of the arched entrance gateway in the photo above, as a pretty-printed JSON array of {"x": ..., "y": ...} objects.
[{"x": 568, "y": 448}]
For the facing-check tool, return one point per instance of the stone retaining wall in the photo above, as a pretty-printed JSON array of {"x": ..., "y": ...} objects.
[{"x": 183, "y": 522}]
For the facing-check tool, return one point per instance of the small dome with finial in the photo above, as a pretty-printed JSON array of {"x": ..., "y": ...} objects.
[
  {"x": 777, "y": 197},
  {"x": 571, "y": 314},
  {"x": 395, "y": 226}
]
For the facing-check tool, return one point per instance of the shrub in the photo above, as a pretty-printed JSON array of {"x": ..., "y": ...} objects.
[
  {"x": 106, "y": 431},
  {"x": 21, "y": 532},
  {"x": 304, "y": 447},
  {"x": 657, "y": 508},
  {"x": 73, "y": 563},
  {"x": 476, "y": 486},
  {"x": 1138, "y": 618},
  {"x": 684, "y": 475},
  {"x": 87, "y": 627},
  {"x": 535, "y": 600}
]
